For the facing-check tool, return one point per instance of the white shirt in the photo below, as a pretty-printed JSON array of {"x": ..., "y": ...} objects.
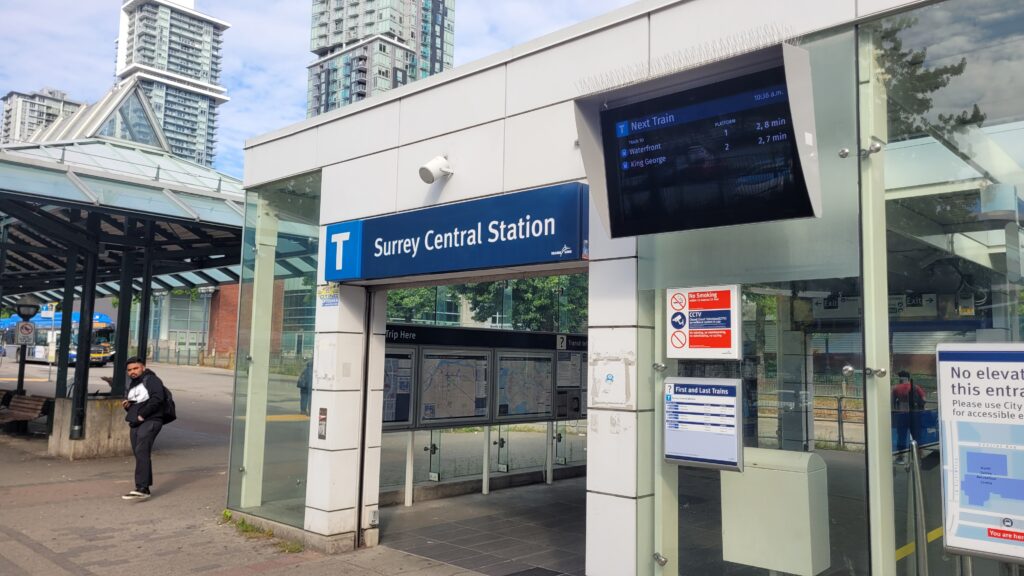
[{"x": 138, "y": 394}]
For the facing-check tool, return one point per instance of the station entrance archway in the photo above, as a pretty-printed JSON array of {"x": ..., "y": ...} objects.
[{"x": 485, "y": 390}]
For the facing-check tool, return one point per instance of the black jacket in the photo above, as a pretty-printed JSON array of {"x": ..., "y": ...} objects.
[{"x": 152, "y": 409}]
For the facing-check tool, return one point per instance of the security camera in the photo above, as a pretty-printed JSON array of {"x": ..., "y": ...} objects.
[{"x": 436, "y": 168}]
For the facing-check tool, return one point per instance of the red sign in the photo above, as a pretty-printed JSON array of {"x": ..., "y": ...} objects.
[
  {"x": 1006, "y": 534},
  {"x": 703, "y": 322},
  {"x": 678, "y": 339},
  {"x": 710, "y": 300},
  {"x": 710, "y": 338},
  {"x": 678, "y": 302}
]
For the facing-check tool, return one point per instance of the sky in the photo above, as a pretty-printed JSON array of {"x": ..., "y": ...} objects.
[{"x": 70, "y": 45}]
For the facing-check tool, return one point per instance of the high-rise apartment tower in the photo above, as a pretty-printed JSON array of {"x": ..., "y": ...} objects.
[
  {"x": 176, "y": 53},
  {"x": 24, "y": 114},
  {"x": 367, "y": 46}
]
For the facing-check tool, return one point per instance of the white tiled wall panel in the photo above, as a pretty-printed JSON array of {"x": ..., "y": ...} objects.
[
  {"x": 679, "y": 30},
  {"x": 374, "y": 417},
  {"x": 612, "y": 293},
  {"x": 476, "y": 155},
  {"x": 540, "y": 148},
  {"x": 554, "y": 75},
  {"x": 378, "y": 324},
  {"x": 608, "y": 349},
  {"x": 371, "y": 477},
  {"x": 338, "y": 362},
  {"x": 344, "y": 409},
  {"x": 330, "y": 523},
  {"x": 611, "y": 535},
  {"x": 378, "y": 346},
  {"x": 473, "y": 100},
  {"x": 360, "y": 134},
  {"x": 612, "y": 452},
  {"x": 360, "y": 188},
  {"x": 602, "y": 245},
  {"x": 332, "y": 479},
  {"x": 280, "y": 158},
  {"x": 347, "y": 315}
]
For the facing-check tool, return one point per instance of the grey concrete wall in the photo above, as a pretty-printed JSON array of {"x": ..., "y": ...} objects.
[{"x": 106, "y": 432}]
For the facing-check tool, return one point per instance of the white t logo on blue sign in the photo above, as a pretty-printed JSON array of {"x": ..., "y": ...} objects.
[
  {"x": 343, "y": 251},
  {"x": 339, "y": 247}
]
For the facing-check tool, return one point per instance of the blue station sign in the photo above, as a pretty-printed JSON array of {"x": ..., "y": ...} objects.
[{"x": 534, "y": 227}]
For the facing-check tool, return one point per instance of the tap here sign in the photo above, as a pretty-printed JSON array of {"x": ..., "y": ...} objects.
[{"x": 703, "y": 323}]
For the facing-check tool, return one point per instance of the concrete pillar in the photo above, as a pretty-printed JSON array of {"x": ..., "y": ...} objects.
[
  {"x": 259, "y": 357},
  {"x": 346, "y": 452},
  {"x": 620, "y": 442}
]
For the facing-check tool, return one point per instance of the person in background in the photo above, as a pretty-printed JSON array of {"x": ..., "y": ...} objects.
[
  {"x": 908, "y": 400},
  {"x": 144, "y": 404},
  {"x": 305, "y": 385}
]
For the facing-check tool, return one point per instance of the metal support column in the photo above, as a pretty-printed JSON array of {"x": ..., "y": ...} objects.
[
  {"x": 146, "y": 297},
  {"x": 67, "y": 307},
  {"x": 85, "y": 334},
  {"x": 124, "y": 317},
  {"x": 3, "y": 255}
]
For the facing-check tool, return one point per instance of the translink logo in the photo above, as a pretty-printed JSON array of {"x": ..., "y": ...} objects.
[{"x": 344, "y": 251}]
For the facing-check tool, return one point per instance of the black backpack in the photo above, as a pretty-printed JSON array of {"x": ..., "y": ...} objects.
[{"x": 170, "y": 412}]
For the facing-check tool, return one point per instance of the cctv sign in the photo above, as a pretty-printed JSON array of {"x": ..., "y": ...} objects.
[{"x": 535, "y": 227}]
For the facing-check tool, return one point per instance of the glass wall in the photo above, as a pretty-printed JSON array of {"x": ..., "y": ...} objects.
[
  {"x": 270, "y": 426},
  {"x": 802, "y": 347},
  {"x": 943, "y": 95},
  {"x": 539, "y": 304}
]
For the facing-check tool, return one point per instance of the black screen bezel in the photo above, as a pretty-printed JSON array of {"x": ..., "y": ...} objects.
[{"x": 656, "y": 219}]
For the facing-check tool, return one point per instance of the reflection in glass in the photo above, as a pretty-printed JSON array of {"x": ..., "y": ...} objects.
[
  {"x": 801, "y": 325},
  {"x": 539, "y": 304},
  {"x": 951, "y": 74},
  {"x": 270, "y": 428},
  {"x": 130, "y": 122}
]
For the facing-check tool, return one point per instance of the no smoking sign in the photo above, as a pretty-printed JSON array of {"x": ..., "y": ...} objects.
[{"x": 678, "y": 302}]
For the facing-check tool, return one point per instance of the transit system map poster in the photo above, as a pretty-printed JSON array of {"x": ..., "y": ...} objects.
[
  {"x": 524, "y": 384},
  {"x": 398, "y": 374},
  {"x": 981, "y": 402},
  {"x": 455, "y": 385}
]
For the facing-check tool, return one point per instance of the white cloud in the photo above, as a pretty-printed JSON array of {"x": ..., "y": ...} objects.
[{"x": 69, "y": 45}]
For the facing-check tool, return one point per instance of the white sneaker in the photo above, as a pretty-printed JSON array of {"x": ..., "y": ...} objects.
[{"x": 135, "y": 495}]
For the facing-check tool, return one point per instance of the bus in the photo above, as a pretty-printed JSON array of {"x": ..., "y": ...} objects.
[{"x": 48, "y": 338}]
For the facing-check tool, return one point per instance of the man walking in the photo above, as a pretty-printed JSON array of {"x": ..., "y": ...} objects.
[{"x": 145, "y": 408}]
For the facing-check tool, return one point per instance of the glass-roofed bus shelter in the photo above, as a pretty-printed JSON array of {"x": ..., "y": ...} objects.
[{"x": 97, "y": 216}]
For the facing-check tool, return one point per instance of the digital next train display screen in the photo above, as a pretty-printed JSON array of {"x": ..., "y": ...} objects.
[{"x": 716, "y": 155}]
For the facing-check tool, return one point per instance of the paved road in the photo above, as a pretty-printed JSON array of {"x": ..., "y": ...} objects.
[{"x": 59, "y": 517}]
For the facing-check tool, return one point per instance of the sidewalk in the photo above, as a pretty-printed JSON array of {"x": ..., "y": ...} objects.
[{"x": 59, "y": 517}]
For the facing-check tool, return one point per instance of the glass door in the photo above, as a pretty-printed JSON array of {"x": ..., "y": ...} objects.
[
  {"x": 943, "y": 148},
  {"x": 434, "y": 450},
  {"x": 504, "y": 446},
  {"x": 803, "y": 494}
]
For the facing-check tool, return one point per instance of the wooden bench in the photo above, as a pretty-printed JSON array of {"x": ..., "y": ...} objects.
[{"x": 24, "y": 409}]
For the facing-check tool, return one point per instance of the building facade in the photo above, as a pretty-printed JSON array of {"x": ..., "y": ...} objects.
[
  {"x": 365, "y": 47},
  {"x": 175, "y": 51},
  {"x": 24, "y": 114},
  {"x": 916, "y": 244}
]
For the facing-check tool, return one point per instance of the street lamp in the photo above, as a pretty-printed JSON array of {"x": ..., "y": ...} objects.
[{"x": 26, "y": 308}]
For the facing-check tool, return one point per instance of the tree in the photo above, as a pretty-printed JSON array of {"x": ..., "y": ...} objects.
[
  {"x": 408, "y": 304},
  {"x": 542, "y": 304},
  {"x": 910, "y": 84}
]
